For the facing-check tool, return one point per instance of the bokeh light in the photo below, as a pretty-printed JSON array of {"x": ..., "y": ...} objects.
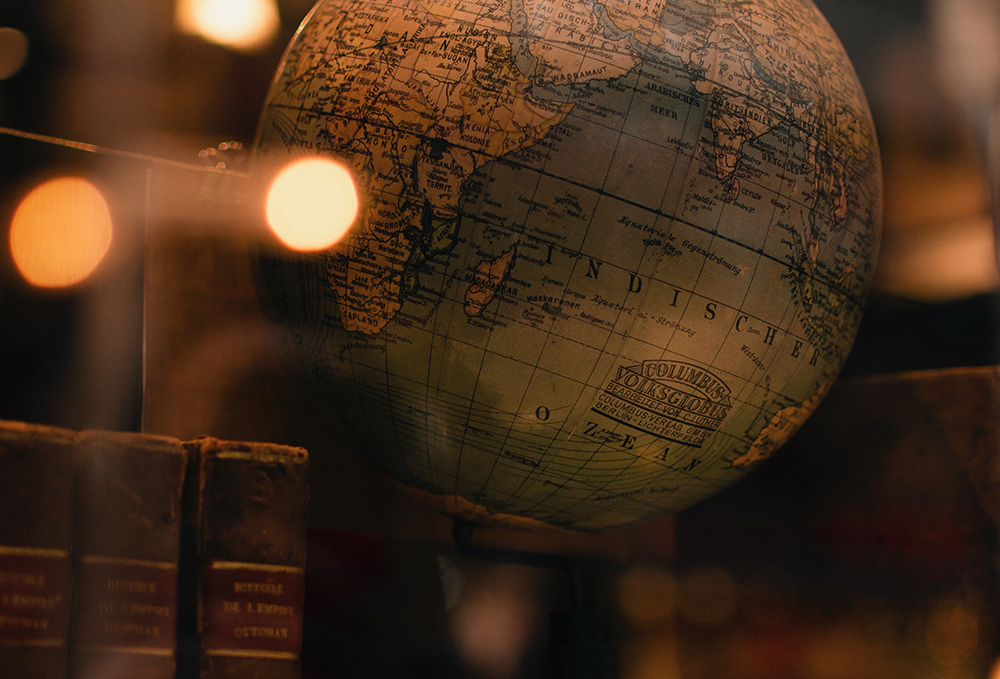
[
  {"x": 953, "y": 633},
  {"x": 13, "y": 51},
  {"x": 312, "y": 203},
  {"x": 647, "y": 595},
  {"x": 244, "y": 25},
  {"x": 842, "y": 648},
  {"x": 494, "y": 622},
  {"x": 60, "y": 233},
  {"x": 651, "y": 657},
  {"x": 707, "y": 597}
]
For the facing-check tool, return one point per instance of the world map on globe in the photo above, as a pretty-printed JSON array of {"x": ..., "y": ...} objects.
[{"x": 610, "y": 255}]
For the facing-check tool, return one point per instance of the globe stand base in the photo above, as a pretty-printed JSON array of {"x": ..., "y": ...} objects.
[{"x": 578, "y": 646}]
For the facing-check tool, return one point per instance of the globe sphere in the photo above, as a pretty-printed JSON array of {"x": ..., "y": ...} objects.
[{"x": 608, "y": 256}]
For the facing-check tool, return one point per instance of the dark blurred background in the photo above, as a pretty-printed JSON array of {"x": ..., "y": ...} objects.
[
  {"x": 127, "y": 76},
  {"x": 765, "y": 580}
]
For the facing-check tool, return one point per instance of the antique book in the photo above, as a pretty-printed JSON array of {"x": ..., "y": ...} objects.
[
  {"x": 36, "y": 522},
  {"x": 251, "y": 535},
  {"x": 126, "y": 542}
]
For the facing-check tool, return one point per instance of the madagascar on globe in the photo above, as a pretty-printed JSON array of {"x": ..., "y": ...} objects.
[{"x": 609, "y": 256}]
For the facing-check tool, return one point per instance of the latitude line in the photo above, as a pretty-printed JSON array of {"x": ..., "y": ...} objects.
[
  {"x": 621, "y": 337},
  {"x": 782, "y": 262},
  {"x": 602, "y": 193},
  {"x": 656, "y": 265}
]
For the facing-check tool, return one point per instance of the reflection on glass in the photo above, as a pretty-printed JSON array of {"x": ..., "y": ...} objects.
[
  {"x": 244, "y": 25},
  {"x": 311, "y": 204},
  {"x": 13, "y": 51},
  {"x": 60, "y": 233}
]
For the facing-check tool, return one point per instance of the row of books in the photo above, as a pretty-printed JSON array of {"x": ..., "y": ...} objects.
[{"x": 134, "y": 555}]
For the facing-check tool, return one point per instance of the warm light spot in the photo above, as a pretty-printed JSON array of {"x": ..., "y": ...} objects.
[
  {"x": 647, "y": 595},
  {"x": 60, "y": 233},
  {"x": 651, "y": 657},
  {"x": 842, "y": 649},
  {"x": 494, "y": 623},
  {"x": 312, "y": 203},
  {"x": 707, "y": 597},
  {"x": 953, "y": 633},
  {"x": 244, "y": 25},
  {"x": 951, "y": 261},
  {"x": 13, "y": 51}
]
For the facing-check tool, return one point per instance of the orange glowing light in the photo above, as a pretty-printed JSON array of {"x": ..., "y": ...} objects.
[
  {"x": 312, "y": 203},
  {"x": 647, "y": 595},
  {"x": 707, "y": 597},
  {"x": 60, "y": 233},
  {"x": 244, "y": 25},
  {"x": 953, "y": 633},
  {"x": 13, "y": 51}
]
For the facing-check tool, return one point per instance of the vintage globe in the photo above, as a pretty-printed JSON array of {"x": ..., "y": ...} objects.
[{"x": 609, "y": 256}]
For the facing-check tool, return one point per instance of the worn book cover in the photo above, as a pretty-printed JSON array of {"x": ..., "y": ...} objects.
[
  {"x": 252, "y": 511},
  {"x": 127, "y": 537},
  {"x": 36, "y": 521}
]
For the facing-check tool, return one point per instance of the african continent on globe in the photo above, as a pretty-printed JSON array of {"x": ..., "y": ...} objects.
[{"x": 610, "y": 255}]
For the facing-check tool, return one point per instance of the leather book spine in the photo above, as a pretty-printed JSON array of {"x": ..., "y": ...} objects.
[
  {"x": 36, "y": 524},
  {"x": 127, "y": 537},
  {"x": 253, "y": 506}
]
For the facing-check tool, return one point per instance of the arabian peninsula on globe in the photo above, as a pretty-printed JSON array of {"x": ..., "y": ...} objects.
[{"x": 610, "y": 255}]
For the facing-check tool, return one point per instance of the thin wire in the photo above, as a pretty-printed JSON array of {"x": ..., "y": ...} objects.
[{"x": 105, "y": 151}]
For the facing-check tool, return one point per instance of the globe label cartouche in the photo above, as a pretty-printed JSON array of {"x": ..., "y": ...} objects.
[{"x": 609, "y": 255}]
